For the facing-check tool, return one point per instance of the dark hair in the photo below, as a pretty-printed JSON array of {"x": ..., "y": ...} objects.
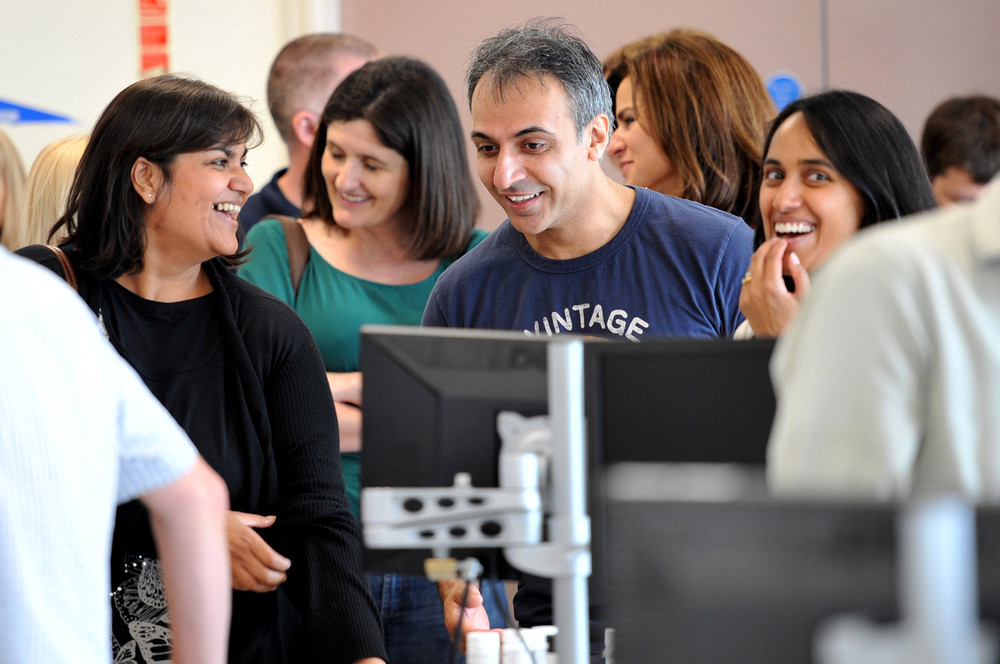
[
  {"x": 706, "y": 107},
  {"x": 544, "y": 47},
  {"x": 305, "y": 72},
  {"x": 412, "y": 112},
  {"x": 963, "y": 132},
  {"x": 869, "y": 146},
  {"x": 157, "y": 119}
]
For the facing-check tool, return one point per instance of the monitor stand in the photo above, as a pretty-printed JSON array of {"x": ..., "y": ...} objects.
[{"x": 511, "y": 516}]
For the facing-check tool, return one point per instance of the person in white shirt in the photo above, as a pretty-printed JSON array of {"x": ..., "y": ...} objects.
[
  {"x": 80, "y": 433},
  {"x": 888, "y": 382}
]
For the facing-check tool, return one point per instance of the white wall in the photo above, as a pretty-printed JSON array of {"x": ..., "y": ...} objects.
[{"x": 70, "y": 58}]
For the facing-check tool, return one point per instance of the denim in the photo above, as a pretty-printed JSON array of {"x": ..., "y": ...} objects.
[{"x": 413, "y": 619}]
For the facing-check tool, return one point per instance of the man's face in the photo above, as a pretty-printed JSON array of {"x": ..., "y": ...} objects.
[
  {"x": 955, "y": 185},
  {"x": 529, "y": 157}
]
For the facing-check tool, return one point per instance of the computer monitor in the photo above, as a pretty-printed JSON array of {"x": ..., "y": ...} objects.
[
  {"x": 672, "y": 401},
  {"x": 679, "y": 400},
  {"x": 430, "y": 399},
  {"x": 748, "y": 579}
]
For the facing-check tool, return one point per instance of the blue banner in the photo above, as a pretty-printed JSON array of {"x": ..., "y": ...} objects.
[{"x": 11, "y": 113}]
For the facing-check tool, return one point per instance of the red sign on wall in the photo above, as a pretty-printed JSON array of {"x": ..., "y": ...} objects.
[{"x": 154, "y": 38}]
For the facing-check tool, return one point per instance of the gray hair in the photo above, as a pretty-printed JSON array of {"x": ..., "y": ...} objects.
[{"x": 544, "y": 47}]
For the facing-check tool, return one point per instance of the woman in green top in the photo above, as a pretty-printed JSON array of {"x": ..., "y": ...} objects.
[{"x": 389, "y": 203}]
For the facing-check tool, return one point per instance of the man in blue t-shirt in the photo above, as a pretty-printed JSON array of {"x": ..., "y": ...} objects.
[{"x": 578, "y": 253}]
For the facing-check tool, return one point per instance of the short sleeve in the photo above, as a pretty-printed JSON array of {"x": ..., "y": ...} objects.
[
  {"x": 153, "y": 449},
  {"x": 734, "y": 263}
]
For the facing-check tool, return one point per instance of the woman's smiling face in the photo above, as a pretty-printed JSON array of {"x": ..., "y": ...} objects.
[
  {"x": 642, "y": 161},
  {"x": 367, "y": 182},
  {"x": 803, "y": 198},
  {"x": 194, "y": 212}
]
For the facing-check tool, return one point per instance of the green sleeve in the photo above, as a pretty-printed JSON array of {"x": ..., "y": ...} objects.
[{"x": 267, "y": 265}]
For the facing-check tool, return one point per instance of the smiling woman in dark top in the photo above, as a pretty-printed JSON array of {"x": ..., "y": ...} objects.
[{"x": 151, "y": 223}]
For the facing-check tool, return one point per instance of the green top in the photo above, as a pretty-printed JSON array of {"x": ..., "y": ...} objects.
[{"x": 334, "y": 305}]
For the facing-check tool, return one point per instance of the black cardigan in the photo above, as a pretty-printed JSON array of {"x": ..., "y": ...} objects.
[{"x": 281, "y": 404}]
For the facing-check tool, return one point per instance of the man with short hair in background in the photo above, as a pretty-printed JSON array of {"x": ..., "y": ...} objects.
[
  {"x": 579, "y": 253},
  {"x": 961, "y": 147},
  {"x": 303, "y": 76}
]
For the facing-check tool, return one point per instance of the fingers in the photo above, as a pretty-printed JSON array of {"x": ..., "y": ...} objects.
[
  {"x": 799, "y": 275},
  {"x": 345, "y": 386},
  {"x": 349, "y": 423},
  {"x": 765, "y": 274},
  {"x": 766, "y": 263},
  {"x": 359, "y": 384},
  {"x": 764, "y": 299},
  {"x": 253, "y": 520},
  {"x": 775, "y": 261},
  {"x": 257, "y": 580},
  {"x": 255, "y": 565},
  {"x": 255, "y": 543},
  {"x": 473, "y": 615},
  {"x": 263, "y": 552},
  {"x": 452, "y": 593}
]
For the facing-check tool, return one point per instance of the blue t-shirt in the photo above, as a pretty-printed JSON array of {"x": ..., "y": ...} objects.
[{"x": 673, "y": 270}]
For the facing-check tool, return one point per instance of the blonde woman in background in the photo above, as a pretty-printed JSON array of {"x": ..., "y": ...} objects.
[
  {"x": 11, "y": 185},
  {"x": 45, "y": 193}
]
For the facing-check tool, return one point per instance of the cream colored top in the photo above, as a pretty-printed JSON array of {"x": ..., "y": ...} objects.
[{"x": 888, "y": 381}]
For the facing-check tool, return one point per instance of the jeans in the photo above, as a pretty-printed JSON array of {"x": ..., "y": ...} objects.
[{"x": 410, "y": 607}]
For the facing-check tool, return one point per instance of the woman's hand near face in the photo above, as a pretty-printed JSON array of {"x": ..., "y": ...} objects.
[
  {"x": 256, "y": 566},
  {"x": 346, "y": 390},
  {"x": 764, "y": 299}
]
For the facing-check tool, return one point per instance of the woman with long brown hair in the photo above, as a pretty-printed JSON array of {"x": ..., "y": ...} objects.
[{"x": 691, "y": 115}]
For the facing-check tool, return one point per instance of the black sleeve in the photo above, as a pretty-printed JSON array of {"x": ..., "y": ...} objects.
[{"x": 320, "y": 534}]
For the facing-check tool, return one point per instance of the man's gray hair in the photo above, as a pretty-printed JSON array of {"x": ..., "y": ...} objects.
[{"x": 543, "y": 47}]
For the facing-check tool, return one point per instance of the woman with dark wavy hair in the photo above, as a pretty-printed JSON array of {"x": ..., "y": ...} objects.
[{"x": 151, "y": 224}]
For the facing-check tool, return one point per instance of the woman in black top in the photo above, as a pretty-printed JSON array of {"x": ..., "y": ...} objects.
[{"x": 151, "y": 223}]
